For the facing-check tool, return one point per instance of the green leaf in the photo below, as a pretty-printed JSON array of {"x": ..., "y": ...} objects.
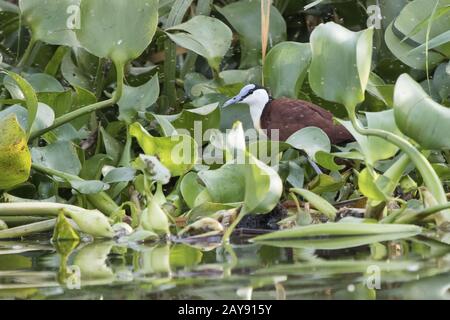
[
  {"x": 117, "y": 29},
  {"x": 44, "y": 116},
  {"x": 324, "y": 183},
  {"x": 178, "y": 153},
  {"x": 61, "y": 156},
  {"x": 137, "y": 99},
  {"x": 206, "y": 36},
  {"x": 30, "y": 98},
  {"x": 374, "y": 148},
  {"x": 52, "y": 22},
  {"x": 63, "y": 230},
  {"x": 226, "y": 184},
  {"x": 245, "y": 18},
  {"x": 83, "y": 98},
  {"x": 285, "y": 68},
  {"x": 441, "y": 81},
  {"x": 311, "y": 140},
  {"x": 379, "y": 89},
  {"x": 113, "y": 147},
  {"x": 263, "y": 187},
  {"x": 92, "y": 222},
  {"x": 339, "y": 229},
  {"x": 190, "y": 189},
  {"x": 368, "y": 187},
  {"x": 407, "y": 34},
  {"x": 15, "y": 158},
  {"x": 60, "y": 102},
  {"x": 154, "y": 219},
  {"x": 90, "y": 187},
  {"x": 414, "y": 108},
  {"x": 119, "y": 175},
  {"x": 336, "y": 243},
  {"x": 318, "y": 202},
  {"x": 74, "y": 71},
  {"x": 190, "y": 120},
  {"x": 42, "y": 82},
  {"x": 208, "y": 209},
  {"x": 341, "y": 62}
]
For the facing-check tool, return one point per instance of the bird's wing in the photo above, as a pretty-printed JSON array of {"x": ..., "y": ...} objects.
[{"x": 289, "y": 116}]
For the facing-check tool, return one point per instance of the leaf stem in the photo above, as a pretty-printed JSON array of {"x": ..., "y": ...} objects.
[
  {"x": 87, "y": 109},
  {"x": 21, "y": 231},
  {"x": 100, "y": 77},
  {"x": 31, "y": 209},
  {"x": 26, "y": 55},
  {"x": 429, "y": 176}
]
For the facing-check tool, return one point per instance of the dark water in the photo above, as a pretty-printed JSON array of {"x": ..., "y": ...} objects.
[{"x": 416, "y": 268}]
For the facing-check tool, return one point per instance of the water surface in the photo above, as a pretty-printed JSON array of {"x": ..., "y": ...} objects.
[{"x": 416, "y": 268}]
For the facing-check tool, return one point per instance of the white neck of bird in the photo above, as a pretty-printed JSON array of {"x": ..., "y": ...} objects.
[{"x": 257, "y": 101}]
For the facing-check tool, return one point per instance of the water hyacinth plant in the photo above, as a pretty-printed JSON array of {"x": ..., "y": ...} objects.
[{"x": 112, "y": 127}]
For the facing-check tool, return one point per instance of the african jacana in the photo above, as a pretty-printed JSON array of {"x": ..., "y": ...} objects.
[{"x": 287, "y": 115}]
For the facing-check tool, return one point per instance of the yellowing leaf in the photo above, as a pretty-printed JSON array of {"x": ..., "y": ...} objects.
[
  {"x": 15, "y": 157},
  {"x": 178, "y": 153}
]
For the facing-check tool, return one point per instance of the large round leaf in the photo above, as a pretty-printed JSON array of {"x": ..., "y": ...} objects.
[
  {"x": 420, "y": 117},
  {"x": 245, "y": 17},
  {"x": 206, "y": 36},
  {"x": 52, "y": 21},
  {"x": 117, "y": 29},
  {"x": 15, "y": 158},
  {"x": 285, "y": 68},
  {"x": 341, "y": 61}
]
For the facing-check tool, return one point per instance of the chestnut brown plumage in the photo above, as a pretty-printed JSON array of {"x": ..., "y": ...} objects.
[{"x": 289, "y": 116}]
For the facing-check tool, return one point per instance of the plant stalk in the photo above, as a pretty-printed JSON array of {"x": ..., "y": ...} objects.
[
  {"x": 429, "y": 176},
  {"x": 230, "y": 229},
  {"x": 26, "y": 55},
  {"x": 87, "y": 109},
  {"x": 102, "y": 201},
  {"x": 32, "y": 209},
  {"x": 22, "y": 231}
]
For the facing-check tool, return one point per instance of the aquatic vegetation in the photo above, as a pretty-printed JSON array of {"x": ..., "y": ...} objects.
[{"x": 112, "y": 127}]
